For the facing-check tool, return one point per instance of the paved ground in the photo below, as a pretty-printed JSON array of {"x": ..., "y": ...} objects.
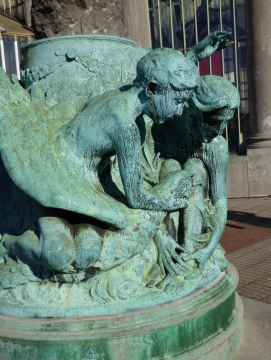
[
  {"x": 247, "y": 241},
  {"x": 256, "y": 338}
]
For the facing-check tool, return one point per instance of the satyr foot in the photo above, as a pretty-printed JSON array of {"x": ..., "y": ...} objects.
[
  {"x": 201, "y": 257},
  {"x": 171, "y": 284},
  {"x": 3, "y": 250}
]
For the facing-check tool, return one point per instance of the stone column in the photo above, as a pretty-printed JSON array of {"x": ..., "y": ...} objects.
[
  {"x": 259, "y": 75},
  {"x": 136, "y": 21},
  {"x": 27, "y": 12}
]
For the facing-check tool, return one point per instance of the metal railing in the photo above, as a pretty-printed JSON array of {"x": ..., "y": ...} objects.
[
  {"x": 14, "y": 8},
  {"x": 229, "y": 15}
]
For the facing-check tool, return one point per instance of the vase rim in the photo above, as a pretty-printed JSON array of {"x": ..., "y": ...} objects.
[{"x": 89, "y": 36}]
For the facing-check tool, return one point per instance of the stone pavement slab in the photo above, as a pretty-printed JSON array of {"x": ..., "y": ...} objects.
[
  {"x": 249, "y": 222},
  {"x": 256, "y": 339},
  {"x": 254, "y": 267},
  {"x": 247, "y": 241}
]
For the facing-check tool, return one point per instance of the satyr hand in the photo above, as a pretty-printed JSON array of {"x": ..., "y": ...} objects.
[
  {"x": 175, "y": 189},
  {"x": 207, "y": 47},
  {"x": 219, "y": 39},
  {"x": 167, "y": 251}
]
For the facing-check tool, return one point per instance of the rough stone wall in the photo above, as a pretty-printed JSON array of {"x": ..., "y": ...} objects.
[{"x": 71, "y": 17}]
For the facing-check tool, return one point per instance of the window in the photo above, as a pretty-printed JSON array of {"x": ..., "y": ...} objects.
[{"x": 10, "y": 53}]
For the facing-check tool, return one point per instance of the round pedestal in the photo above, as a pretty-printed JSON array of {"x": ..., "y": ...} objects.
[{"x": 205, "y": 325}]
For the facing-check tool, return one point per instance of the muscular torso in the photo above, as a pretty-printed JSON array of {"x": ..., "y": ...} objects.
[{"x": 100, "y": 128}]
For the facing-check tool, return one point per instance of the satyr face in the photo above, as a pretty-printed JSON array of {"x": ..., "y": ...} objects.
[
  {"x": 218, "y": 99},
  {"x": 164, "y": 104}
]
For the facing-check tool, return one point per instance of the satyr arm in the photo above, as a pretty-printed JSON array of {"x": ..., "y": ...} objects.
[
  {"x": 128, "y": 146},
  {"x": 215, "y": 157},
  {"x": 207, "y": 47}
]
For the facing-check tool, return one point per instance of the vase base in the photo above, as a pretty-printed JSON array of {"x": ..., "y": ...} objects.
[{"x": 205, "y": 325}]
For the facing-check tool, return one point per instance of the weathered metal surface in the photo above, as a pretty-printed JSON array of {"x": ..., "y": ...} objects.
[
  {"x": 206, "y": 325},
  {"x": 113, "y": 193}
]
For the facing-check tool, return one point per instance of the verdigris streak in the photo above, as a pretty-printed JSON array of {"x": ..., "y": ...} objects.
[{"x": 113, "y": 167}]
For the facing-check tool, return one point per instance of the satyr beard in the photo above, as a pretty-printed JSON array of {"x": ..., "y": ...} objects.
[{"x": 162, "y": 108}]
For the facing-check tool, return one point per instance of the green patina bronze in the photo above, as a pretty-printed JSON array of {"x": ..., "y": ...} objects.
[
  {"x": 113, "y": 176},
  {"x": 205, "y": 326}
]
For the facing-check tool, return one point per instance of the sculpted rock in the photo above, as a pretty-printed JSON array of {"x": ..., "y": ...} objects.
[{"x": 72, "y": 17}]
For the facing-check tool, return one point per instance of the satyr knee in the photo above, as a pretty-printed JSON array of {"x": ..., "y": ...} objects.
[
  {"x": 88, "y": 247},
  {"x": 58, "y": 247},
  {"x": 169, "y": 166}
]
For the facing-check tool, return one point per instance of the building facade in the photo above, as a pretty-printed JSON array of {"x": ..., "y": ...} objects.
[{"x": 14, "y": 34}]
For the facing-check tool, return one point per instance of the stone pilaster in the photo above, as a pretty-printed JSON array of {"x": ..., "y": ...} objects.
[
  {"x": 137, "y": 21},
  {"x": 27, "y": 12},
  {"x": 259, "y": 76}
]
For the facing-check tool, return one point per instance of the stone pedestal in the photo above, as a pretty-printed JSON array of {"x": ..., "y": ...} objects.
[
  {"x": 237, "y": 180},
  {"x": 259, "y": 171},
  {"x": 259, "y": 76},
  {"x": 205, "y": 325}
]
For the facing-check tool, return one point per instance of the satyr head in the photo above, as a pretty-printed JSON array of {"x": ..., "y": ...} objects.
[
  {"x": 168, "y": 79},
  {"x": 217, "y": 99}
]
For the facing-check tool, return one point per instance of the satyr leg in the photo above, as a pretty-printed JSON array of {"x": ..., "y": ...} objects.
[
  {"x": 195, "y": 225},
  {"x": 53, "y": 249}
]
